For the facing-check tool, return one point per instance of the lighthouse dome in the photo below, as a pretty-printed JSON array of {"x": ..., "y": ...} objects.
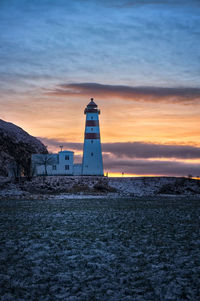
[{"x": 92, "y": 104}]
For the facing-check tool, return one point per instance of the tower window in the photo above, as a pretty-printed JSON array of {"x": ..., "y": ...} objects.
[
  {"x": 92, "y": 154},
  {"x": 67, "y": 157},
  {"x": 66, "y": 167}
]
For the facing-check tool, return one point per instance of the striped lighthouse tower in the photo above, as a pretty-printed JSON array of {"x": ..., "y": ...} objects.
[{"x": 92, "y": 155}]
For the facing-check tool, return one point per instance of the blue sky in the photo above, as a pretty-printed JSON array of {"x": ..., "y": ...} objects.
[
  {"x": 155, "y": 43},
  {"x": 140, "y": 59}
]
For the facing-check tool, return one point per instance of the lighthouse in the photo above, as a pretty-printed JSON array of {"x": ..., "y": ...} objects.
[{"x": 92, "y": 163}]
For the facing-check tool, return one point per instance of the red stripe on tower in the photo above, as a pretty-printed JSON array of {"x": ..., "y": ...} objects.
[
  {"x": 92, "y": 122},
  {"x": 92, "y": 136}
]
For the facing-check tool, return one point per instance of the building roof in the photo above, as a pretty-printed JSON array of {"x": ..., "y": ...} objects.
[{"x": 65, "y": 151}]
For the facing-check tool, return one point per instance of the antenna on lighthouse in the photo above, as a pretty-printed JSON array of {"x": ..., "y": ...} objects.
[{"x": 61, "y": 147}]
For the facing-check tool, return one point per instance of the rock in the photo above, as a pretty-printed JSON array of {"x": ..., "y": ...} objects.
[{"x": 16, "y": 145}]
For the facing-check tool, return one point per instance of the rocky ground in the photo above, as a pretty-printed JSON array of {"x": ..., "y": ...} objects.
[
  {"x": 108, "y": 249},
  {"x": 42, "y": 187}
]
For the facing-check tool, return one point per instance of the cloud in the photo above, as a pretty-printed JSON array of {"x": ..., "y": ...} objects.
[
  {"x": 150, "y": 150},
  {"x": 179, "y": 94},
  {"x": 145, "y": 167},
  {"x": 139, "y": 157},
  {"x": 53, "y": 143},
  {"x": 151, "y": 45},
  {"x": 134, "y": 150},
  {"x": 130, "y": 3}
]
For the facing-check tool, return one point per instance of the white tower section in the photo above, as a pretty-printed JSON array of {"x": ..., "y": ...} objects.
[{"x": 92, "y": 155}]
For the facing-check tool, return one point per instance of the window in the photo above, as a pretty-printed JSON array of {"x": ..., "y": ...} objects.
[
  {"x": 54, "y": 167},
  {"x": 91, "y": 118},
  {"x": 91, "y": 129},
  {"x": 66, "y": 167},
  {"x": 92, "y": 154},
  {"x": 91, "y": 141},
  {"x": 67, "y": 157}
]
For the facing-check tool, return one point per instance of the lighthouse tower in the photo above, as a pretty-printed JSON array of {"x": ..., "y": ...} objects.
[{"x": 92, "y": 163}]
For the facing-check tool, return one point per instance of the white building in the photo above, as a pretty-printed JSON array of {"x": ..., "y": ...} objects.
[
  {"x": 53, "y": 164},
  {"x": 63, "y": 162}
]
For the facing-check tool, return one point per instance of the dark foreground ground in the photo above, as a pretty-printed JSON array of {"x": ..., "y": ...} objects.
[{"x": 100, "y": 249}]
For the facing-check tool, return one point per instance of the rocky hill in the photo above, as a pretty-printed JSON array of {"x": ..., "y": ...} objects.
[{"x": 16, "y": 145}]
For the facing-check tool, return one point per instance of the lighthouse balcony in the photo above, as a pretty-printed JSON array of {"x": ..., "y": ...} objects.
[{"x": 90, "y": 110}]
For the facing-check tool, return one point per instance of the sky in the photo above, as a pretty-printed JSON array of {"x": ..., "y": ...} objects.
[{"x": 140, "y": 60}]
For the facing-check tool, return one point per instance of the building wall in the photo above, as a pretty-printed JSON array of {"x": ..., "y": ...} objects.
[
  {"x": 77, "y": 169},
  {"x": 66, "y": 161},
  {"x": 59, "y": 164}
]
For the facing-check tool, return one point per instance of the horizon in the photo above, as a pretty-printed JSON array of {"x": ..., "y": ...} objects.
[{"x": 140, "y": 62}]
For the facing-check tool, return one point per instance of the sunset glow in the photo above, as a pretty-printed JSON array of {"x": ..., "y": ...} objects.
[{"x": 140, "y": 62}]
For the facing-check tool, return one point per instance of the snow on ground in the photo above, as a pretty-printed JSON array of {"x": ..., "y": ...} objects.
[
  {"x": 81, "y": 196},
  {"x": 100, "y": 249},
  {"x": 155, "y": 185},
  {"x": 59, "y": 185}
]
